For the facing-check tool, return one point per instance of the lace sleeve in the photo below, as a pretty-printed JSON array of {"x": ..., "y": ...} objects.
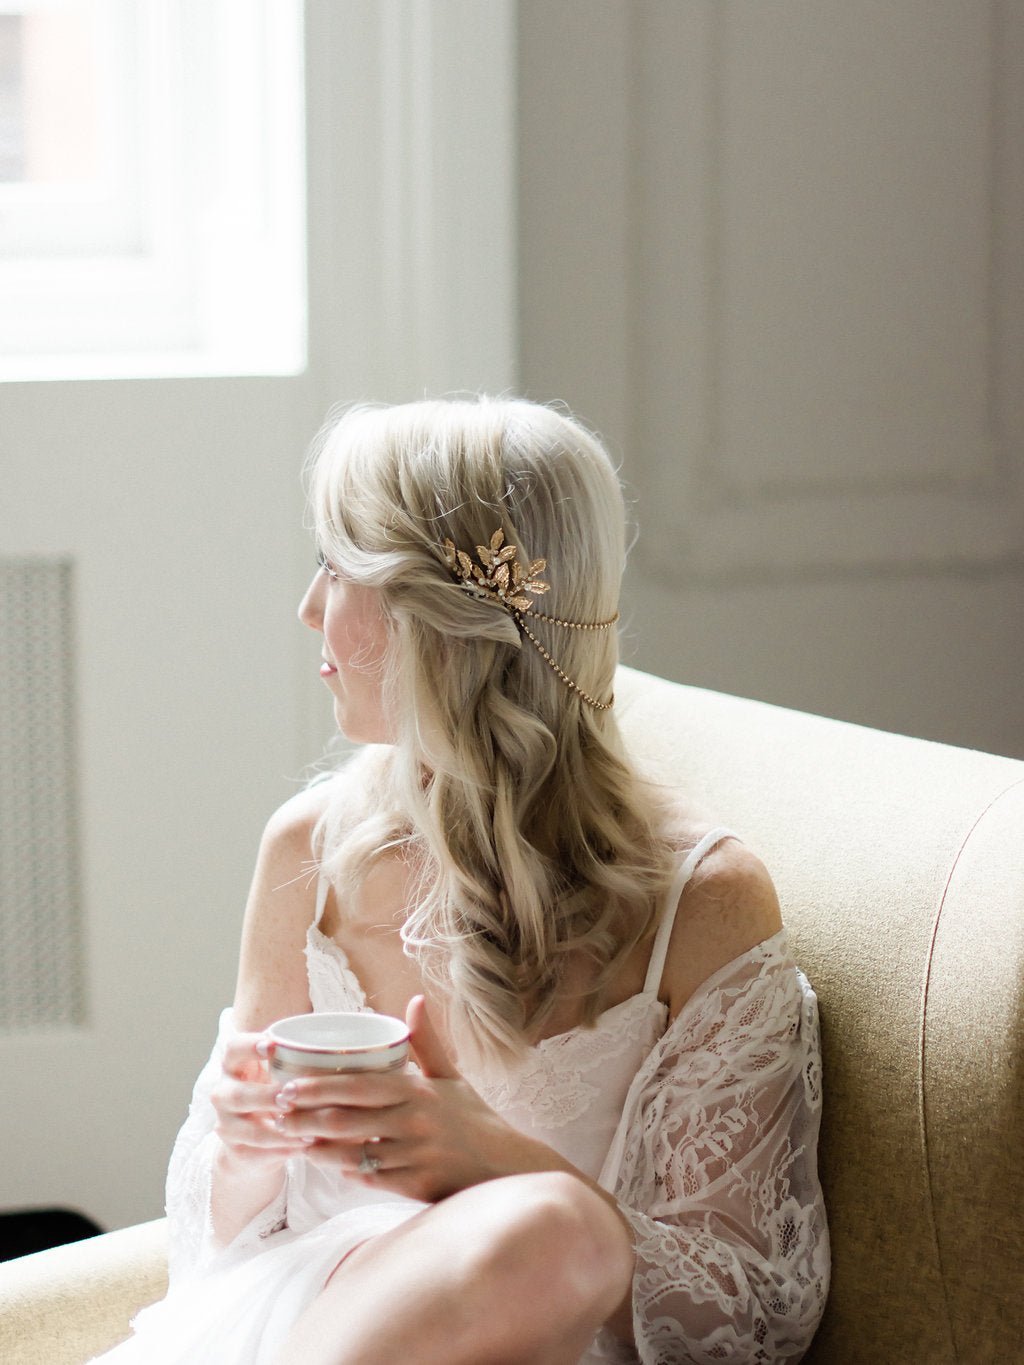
[
  {"x": 719, "y": 1172},
  {"x": 191, "y": 1246}
]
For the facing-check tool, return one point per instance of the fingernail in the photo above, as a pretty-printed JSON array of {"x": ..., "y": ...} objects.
[
  {"x": 263, "y": 1047},
  {"x": 285, "y": 1097},
  {"x": 307, "y": 1141},
  {"x": 279, "y": 1122}
]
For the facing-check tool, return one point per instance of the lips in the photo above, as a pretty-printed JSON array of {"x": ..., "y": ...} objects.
[{"x": 327, "y": 670}]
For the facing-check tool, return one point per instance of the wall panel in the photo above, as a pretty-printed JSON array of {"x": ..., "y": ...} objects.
[
  {"x": 774, "y": 252},
  {"x": 823, "y": 276}
]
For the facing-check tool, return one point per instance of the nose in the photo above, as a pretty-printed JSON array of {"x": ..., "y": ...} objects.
[{"x": 311, "y": 611}]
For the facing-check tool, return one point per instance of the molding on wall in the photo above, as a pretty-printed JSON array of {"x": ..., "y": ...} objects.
[
  {"x": 413, "y": 191},
  {"x": 988, "y": 454},
  {"x": 411, "y": 117},
  {"x": 748, "y": 513}
]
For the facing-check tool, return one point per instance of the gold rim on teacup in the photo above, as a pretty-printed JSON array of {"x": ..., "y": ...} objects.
[{"x": 334, "y": 1043}]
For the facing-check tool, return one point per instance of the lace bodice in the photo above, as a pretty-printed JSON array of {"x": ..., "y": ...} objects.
[
  {"x": 568, "y": 1091},
  {"x": 705, "y": 1129}
]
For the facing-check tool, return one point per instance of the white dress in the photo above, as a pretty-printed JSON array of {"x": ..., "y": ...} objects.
[{"x": 704, "y": 1128}]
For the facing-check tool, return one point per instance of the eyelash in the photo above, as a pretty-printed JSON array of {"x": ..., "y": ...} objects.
[{"x": 323, "y": 564}]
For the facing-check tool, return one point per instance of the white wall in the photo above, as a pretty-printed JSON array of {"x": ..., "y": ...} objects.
[
  {"x": 198, "y": 696},
  {"x": 176, "y": 501},
  {"x": 774, "y": 252}
]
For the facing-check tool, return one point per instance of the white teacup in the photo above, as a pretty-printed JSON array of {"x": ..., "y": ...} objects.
[{"x": 331, "y": 1044}]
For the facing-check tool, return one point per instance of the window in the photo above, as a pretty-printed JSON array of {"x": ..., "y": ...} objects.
[{"x": 151, "y": 188}]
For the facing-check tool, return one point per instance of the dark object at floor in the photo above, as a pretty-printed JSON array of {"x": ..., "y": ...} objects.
[{"x": 28, "y": 1230}]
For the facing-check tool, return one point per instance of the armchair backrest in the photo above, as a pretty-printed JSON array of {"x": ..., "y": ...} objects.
[{"x": 900, "y": 866}]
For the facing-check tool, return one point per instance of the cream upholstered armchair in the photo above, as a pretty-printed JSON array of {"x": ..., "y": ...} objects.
[{"x": 900, "y": 865}]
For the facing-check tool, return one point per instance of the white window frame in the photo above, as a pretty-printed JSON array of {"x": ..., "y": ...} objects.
[{"x": 190, "y": 258}]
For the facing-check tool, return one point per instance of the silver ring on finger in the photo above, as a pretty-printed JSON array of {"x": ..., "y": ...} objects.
[{"x": 369, "y": 1162}]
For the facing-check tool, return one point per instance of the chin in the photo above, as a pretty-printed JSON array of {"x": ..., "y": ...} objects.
[{"x": 359, "y": 729}]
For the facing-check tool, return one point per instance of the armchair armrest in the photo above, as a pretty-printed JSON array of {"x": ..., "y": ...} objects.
[{"x": 63, "y": 1306}]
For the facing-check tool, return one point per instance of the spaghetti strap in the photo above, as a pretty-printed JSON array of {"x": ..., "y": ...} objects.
[
  {"x": 322, "y": 888},
  {"x": 656, "y": 967}
]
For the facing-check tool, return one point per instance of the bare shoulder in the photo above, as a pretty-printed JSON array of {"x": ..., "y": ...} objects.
[
  {"x": 728, "y": 907},
  {"x": 288, "y": 833},
  {"x": 290, "y": 827}
]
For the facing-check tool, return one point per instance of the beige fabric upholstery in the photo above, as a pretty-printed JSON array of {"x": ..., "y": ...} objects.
[
  {"x": 900, "y": 865},
  {"x": 62, "y": 1307}
]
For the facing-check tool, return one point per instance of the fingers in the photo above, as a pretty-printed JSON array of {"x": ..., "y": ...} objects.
[
  {"x": 245, "y": 1097},
  {"x": 375, "y": 1161},
  {"x": 431, "y": 1053},
  {"x": 344, "y": 1118},
  {"x": 353, "y": 1090},
  {"x": 246, "y": 1115},
  {"x": 346, "y": 1126},
  {"x": 259, "y": 1135},
  {"x": 245, "y": 1102},
  {"x": 383, "y": 1129},
  {"x": 346, "y": 1109},
  {"x": 245, "y": 1057},
  {"x": 248, "y": 1121}
]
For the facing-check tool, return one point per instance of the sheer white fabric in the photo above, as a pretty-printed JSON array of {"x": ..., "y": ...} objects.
[
  {"x": 191, "y": 1245},
  {"x": 569, "y": 1092},
  {"x": 705, "y": 1129},
  {"x": 716, "y": 1170}
]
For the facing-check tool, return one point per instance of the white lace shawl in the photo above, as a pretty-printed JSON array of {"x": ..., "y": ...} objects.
[
  {"x": 192, "y": 1249},
  {"x": 714, "y": 1166},
  {"x": 718, "y": 1172}
]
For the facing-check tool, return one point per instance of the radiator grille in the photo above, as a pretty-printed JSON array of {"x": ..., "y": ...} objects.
[{"x": 40, "y": 913}]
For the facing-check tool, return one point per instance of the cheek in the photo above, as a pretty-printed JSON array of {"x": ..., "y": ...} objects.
[
  {"x": 374, "y": 639},
  {"x": 355, "y": 631}
]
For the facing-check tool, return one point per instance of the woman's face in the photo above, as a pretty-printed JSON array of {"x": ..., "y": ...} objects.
[{"x": 350, "y": 619}]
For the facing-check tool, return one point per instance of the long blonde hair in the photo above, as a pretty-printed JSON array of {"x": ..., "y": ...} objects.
[{"x": 534, "y": 837}]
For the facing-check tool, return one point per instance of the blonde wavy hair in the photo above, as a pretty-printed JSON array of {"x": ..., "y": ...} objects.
[{"x": 535, "y": 840}]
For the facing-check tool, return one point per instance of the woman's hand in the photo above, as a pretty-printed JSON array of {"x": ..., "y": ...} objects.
[
  {"x": 431, "y": 1133},
  {"x": 244, "y": 1101}
]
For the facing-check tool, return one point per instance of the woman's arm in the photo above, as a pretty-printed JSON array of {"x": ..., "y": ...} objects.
[
  {"x": 250, "y": 1161},
  {"x": 728, "y": 907},
  {"x": 272, "y": 980},
  {"x": 227, "y": 1172},
  {"x": 718, "y": 1177}
]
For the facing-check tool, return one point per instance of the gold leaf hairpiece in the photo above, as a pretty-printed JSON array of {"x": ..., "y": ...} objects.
[{"x": 498, "y": 577}]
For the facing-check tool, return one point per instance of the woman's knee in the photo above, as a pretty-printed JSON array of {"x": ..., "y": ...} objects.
[
  {"x": 464, "y": 1269},
  {"x": 552, "y": 1234}
]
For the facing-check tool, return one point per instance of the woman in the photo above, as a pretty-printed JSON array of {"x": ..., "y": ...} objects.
[{"x": 607, "y": 1149}]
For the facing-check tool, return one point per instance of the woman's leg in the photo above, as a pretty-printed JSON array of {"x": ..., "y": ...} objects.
[{"x": 523, "y": 1269}]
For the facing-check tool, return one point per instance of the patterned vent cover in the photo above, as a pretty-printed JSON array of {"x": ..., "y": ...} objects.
[{"x": 40, "y": 929}]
